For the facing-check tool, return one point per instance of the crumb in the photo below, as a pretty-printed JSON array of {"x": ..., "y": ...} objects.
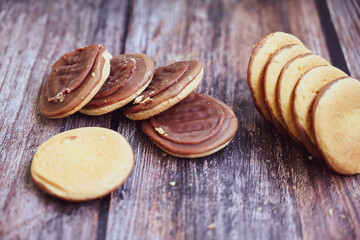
[
  {"x": 100, "y": 45},
  {"x": 191, "y": 78},
  {"x": 331, "y": 212},
  {"x": 251, "y": 134},
  {"x": 138, "y": 99},
  {"x": 93, "y": 74},
  {"x": 342, "y": 216},
  {"x": 172, "y": 183},
  {"x": 354, "y": 194},
  {"x": 310, "y": 157},
  {"x": 258, "y": 209},
  {"x": 211, "y": 226},
  {"x": 82, "y": 97},
  {"x": 294, "y": 187},
  {"x": 146, "y": 100},
  {"x": 160, "y": 130},
  {"x": 105, "y": 100}
]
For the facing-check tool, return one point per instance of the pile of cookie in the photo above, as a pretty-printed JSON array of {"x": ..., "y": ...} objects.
[
  {"x": 91, "y": 81},
  {"x": 305, "y": 97}
]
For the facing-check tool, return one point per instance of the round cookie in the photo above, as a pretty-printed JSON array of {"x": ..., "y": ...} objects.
[
  {"x": 74, "y": 80},
  {"x": 198, "y": 126},
  {"x": 288, "y": 79},
  {"x": 170, "y": 85},
  {"x": 83, "y": 163},
  {"x": 257, "y": 64},
  {"x": 130, "y": 74},
  {"x": 271, "y": 76},
  {"x": 336, "y": 117},
  {"x": 305, "y": 93}
]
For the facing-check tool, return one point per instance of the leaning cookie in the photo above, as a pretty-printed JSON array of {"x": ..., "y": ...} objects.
[
  {"x": 170, "y": 85},
  {"x": 336, "y": 117},
  {"x": 83, "y": 163},
  {"x": 129, "y": 75},
  {"x": 74, "y": 80},
  {"x": 198, "y": 126}
]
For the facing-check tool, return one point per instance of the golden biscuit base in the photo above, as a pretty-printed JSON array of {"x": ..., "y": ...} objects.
[
  {"x": 271, "y": 77},
  {"x": 83, "y": 163},
  {"x": 305, "y": 93},
  {"x": 336, "y": 118},
  {"x": 288, "y": 79},
  {"x": 261, "y": 55}
]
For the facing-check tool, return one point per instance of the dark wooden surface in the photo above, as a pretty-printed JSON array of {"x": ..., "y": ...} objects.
[{"x": 261, "y": 186}]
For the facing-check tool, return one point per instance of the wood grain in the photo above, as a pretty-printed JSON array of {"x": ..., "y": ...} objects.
[
  {"x": 346, "y": 18},
  {"x": 261, "y": 186},
  {"x": 33, "y": 36}
]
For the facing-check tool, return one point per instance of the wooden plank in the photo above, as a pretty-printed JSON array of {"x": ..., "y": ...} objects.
[
  {"x": 346, "y": 18},
  {"x": 262, "y": 185},
  {"x": 33, "y": 35}
]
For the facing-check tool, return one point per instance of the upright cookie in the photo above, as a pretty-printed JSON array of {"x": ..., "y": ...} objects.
[
  {"x": 198, "y": 126},
  {"x": 170, "y": 85},
  {"x": 288, "y": 79},
  {"x": 74, "y": 80},
  {"x": 83, "y": 163},
  {"x": 257, "y": 64},
  {"x": 129, "y": 75},
  {"x": 305, "y": 93},
  {"x": 336, "y": 118},
  {"x": 271, "y": 76}
]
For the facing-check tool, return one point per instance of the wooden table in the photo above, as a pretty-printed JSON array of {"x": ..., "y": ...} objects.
[{"x": 261, "y": 186}]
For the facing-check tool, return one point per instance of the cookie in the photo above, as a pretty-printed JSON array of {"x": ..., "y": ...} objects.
[
  {"x": 74, "y": 80},
  {"x": 83, "y": 163},
  {"x": 198, "y": 126},
  {"x": 288, "y": 79},
  {"x": 129, "y": 75},
  {"x": 304, "y": 96},
  {"x": 261, "y": 55},
  {"x": 336, "y": 117},
  {"x": 170, "y": 85},
  {"x": 271, "y": 76}
]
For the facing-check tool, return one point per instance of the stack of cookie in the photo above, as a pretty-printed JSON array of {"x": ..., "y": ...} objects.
[{"x": 308, "y": 99}]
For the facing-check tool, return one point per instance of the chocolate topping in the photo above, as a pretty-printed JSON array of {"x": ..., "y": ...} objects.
[
  {"x": 77, "y": 96},
  {"x": 164, "y": 77},
  {"x": 141, "y": 76},
  {"x": 171, "y": 91},
  {"x": 192, "y": 121},
  {"x": 225, "y": 130},
  {"x": 69, "y": 72},
  {"x": 121, "y": 70}
]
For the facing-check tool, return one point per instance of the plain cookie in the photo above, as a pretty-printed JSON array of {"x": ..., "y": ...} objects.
[
  {"x": 336, "y": 117},
  {"x": 83, "y": 163}
]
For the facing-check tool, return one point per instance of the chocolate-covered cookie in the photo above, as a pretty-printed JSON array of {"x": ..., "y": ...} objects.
[
  {"x": 73, "y": 81},
  {"x": 129, "y": 75},
  {"x": 170, "y": 85},
  {"x": 198, "y": 126}
]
